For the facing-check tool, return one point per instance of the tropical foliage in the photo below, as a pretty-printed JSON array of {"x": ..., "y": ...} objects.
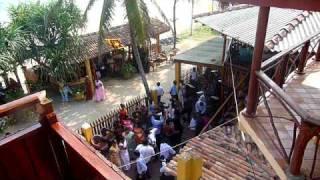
[
  {"x": 52, "y": 33},
  {"x": 12, "y": 48}
]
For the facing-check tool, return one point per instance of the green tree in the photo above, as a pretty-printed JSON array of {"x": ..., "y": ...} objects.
[
  {"x": 13, "y": 50},
  {"x": 52, "y": 30},
  {"x": 138, "y": 19}
]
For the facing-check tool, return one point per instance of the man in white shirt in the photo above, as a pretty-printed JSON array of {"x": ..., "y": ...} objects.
[
  {"x": 142, "y": 167},
  {"x": 166, "y": 151},
  {"x": 146, "y": 152},
  {"x": 194, "y": 74},
  {"x": 201, "y": 105},
  {"x": 160, "y": 92}
]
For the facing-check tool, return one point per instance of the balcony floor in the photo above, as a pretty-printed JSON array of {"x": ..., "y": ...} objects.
[{"x": 305, "y": 90}]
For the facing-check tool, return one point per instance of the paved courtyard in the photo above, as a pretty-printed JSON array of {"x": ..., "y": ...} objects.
[{"x": 118, "y": 90}]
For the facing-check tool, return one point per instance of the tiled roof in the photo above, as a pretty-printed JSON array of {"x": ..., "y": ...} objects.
[
  {"x": 285, "y": 26},
  {"x": 225, "y": 158},
  {"x": 303, "y": 25},
  {"x": 120, "y": 32}
]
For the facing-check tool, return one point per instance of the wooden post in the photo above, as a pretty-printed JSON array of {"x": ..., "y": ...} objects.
[
  {"x": 281, "y": 70},
  {"x": 178, "y": 72},
  {"x": 158, "y": 48},
  {"x": 257, "y": 59},
  {"x": 307, "y": 131},
  {"x": 318, "y": 52},
  {"x": 224, "y": 48},
  {"x": 303, "y": 58},
  {"x": 90, "y": 82}
]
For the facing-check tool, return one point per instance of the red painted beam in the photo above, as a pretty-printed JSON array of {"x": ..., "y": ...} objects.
[
  {"x": 92, "y": 159},
  {"x": 310, "y": 5}
]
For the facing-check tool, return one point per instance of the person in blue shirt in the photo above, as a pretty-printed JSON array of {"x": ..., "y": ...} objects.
[
  {"x": 201, "y": 106},
  {"x": 174, "y": 91},
  {"x": 157, "y": 122},
  {"x": 141, "y": 166}
]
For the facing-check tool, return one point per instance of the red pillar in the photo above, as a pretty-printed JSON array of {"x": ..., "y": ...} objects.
[
  {"x": 318, "y": 52},
  {"x": 303, "y": 58},
  {"x": 257, "y": 59}
]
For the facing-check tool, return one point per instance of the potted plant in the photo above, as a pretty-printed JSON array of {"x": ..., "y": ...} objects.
[
  {"x": 127, "y": 70},
  {"x": 78, "y": 94}
]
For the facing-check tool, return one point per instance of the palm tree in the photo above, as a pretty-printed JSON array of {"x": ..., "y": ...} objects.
[
  {"x": 138, "y": 19},
  {"x": 13, "y": 46},
  {"x": 174, "y": 24}
]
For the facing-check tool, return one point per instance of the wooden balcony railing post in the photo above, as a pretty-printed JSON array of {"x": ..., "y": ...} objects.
[
  {"x": 281, "y": 71},
  {"x": 257, "y": 59},
  {"x": 303, "y": 58},
  {"x": 307, "y": 131},
  {"x": 318, "y": 52}
]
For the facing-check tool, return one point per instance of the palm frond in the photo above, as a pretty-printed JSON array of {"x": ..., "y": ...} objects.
[
  {"x": 138, "y": 18},
  {"x": 162, "y": 14},
  {"x": 105, "y": 23},
  {"x": 89, "y": 6}
]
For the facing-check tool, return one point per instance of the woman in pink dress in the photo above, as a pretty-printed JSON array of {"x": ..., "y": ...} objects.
[{"x": 100, "y": 92}]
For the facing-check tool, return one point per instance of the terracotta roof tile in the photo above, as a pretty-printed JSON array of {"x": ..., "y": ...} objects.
[{"x": 224, "y": 158}]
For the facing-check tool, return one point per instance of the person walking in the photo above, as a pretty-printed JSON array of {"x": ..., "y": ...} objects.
[
  {"x": 141, "y": 165},
  {"x": 124, "y": 153},
  {"x": 182, "y": 94},
  {"x": 174, "y": 91},
  {"x": 100, "y": 91},
  {"x": 147, "y": 152},
  {"x": 166, "y": 151},
  {"x": 160, "y": 92}
]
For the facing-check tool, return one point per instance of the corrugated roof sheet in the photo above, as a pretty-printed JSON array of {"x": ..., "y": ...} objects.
[
  {"x": 120, "y": 32},
  {"x": 224, "y": 158},
  {"x": 242, "y": 24},
  {"x": 206, "y": 53}
]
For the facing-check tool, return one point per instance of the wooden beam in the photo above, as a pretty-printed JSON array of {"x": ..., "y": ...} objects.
[
  {"x": 306, "y": 133},
  {"x": 318, "y": 52},
  {"x": 21, "y": 103},
  {"x": 178, "y": 72},
  {"x": 224, "y": 48},
  {"x": 309, "y": 5},
  {"x": 92, "y": 159},
  {"x": 257, "y": 60},
  {"x": 303, "y": 58}
]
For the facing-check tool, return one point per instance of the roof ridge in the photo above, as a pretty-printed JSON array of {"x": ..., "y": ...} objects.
[
  {"x": 233, "y": 8},
  {"x": 284, "y": 31}
]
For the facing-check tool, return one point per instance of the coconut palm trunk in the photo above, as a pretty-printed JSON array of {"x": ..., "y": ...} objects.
[
  {"x": 138, "y": 61},
  {"x": 174, "y": 24}
]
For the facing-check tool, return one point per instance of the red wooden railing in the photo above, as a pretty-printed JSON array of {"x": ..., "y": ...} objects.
[
  {"x": 49, "y": 150},
  {"x": 271, "y": 77}
]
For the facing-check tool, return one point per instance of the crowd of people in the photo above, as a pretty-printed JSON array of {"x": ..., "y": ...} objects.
[{"x": 151, "y": 132}]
